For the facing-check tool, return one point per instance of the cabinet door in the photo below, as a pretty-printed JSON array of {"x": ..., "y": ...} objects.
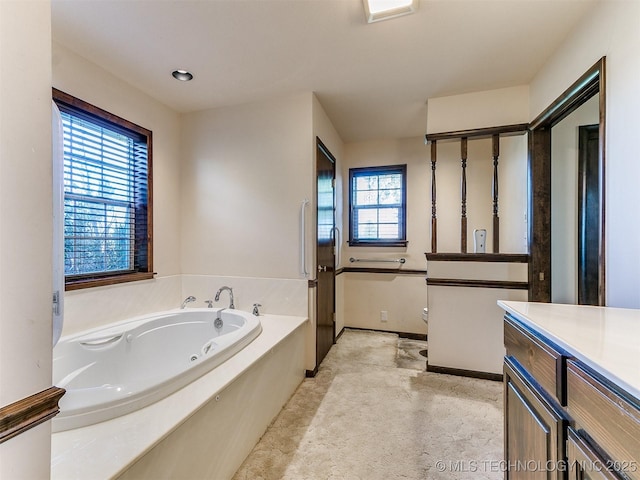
[
  {"x": 584, "y": 463},
  {"x": 534, "y": 430}
]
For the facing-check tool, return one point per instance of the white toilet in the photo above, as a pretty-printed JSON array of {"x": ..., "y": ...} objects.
[{"x": 425, "y": 316}]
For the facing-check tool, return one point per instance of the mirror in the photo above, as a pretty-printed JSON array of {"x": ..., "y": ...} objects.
[{"x": 566, "y": 195}]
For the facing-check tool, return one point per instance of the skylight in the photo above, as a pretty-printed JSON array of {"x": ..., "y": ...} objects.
[{"x": 377, "y": 10}]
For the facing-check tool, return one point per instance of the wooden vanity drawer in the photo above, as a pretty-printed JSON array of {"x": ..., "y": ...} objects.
[
  {"x": 611, "y": 421},
  {"x": 541, "y": 360}
]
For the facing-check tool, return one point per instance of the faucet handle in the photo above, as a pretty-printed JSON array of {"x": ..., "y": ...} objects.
[
  {"x": 256, "y": 312},
  {"x": 209, "y": 303}
]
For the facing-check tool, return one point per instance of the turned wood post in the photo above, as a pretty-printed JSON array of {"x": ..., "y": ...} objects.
[
  {"x": 496, "y": 219},
  {"x": 434, "y": 220},
  {"x": 463, "y": 193}
]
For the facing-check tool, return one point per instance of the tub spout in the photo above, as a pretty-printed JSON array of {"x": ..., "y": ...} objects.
[
  {"x": 230, "y": 290},
  {"x": 189, "y": 299}
]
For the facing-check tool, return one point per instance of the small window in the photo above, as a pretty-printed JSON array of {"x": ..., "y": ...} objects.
[
  {"x": 377, "y": 197},
  {"x": 107, "y": 196}
]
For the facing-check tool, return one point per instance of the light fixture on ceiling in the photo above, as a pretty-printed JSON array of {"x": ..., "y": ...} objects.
[
  {"x": 377, "y": 10},
  {"x": 182, "y": 75}
]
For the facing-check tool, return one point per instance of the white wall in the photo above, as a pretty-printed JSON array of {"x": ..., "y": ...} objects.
[
  {"x": 564, "y": 201},
  {"x": 25, "y": 225},
  {"x": 490, "y": 108},
  {"x": 403, "y": 297},
  {"x": 96, "y": 306},
  {"x": 245, "y": 171},
  {"x": 611, "y": 30}
]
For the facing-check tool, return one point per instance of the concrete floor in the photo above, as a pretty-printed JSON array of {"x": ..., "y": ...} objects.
[{"x": 372, "y": 412}]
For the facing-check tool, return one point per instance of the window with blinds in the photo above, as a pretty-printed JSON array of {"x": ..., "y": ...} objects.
[
  {"x": 377, "y": 202},
  {"x": 107, "y": 219}
]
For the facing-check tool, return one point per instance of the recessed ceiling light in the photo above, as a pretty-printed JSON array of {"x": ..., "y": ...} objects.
[
  {"x": 377, "y": 10},
  {"x": 182, "y": 75}
]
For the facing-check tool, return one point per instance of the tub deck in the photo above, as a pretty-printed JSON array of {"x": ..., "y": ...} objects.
[{"x": 107, "y": 449}]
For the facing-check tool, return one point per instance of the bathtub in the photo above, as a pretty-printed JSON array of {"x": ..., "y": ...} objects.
[{"x": 115, "y": 370}]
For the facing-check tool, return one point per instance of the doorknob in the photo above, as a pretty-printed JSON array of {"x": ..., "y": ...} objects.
[{"x": 322, "y": 268}]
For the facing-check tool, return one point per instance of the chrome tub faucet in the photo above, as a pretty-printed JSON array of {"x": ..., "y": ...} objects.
[
  {"x": 230, "y": 290},
  {"x": 189, "y": 299}
]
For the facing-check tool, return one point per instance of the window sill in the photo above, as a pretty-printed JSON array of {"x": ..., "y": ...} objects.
[{"x": 108, "y": 280}]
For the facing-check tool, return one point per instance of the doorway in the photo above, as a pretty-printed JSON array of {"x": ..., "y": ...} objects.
[
  {"x": 588, "y": 208},
  {"x": 325, "y": 251},
  {"x": 591, "y": 84}
]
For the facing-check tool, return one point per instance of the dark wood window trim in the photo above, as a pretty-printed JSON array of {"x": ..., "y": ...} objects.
[
  {"x": 29, "y": 412},
  {"x": 402, "y": 240},
  {"x": 145, "y": 269}
]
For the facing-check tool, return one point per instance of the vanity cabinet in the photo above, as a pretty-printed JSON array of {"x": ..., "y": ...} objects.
[
  {"x": 564, "y": 420},
  {"x": 535, "y": 423}
]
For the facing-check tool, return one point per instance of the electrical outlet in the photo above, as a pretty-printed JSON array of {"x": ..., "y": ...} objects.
[{"x": 383, "y": 315}]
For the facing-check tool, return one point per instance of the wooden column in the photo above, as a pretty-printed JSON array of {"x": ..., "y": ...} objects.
[
  {"x": 434, "y": 220},
  {"x": 463, "y": 193},
  {"x": 496, "y": 219}
]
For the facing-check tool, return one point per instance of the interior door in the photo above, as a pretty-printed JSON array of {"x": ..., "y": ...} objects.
[
  {"x": 325, "y": 253},
  {"x": 588, "y": 214}
]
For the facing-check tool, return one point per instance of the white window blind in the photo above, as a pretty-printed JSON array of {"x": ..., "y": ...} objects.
[{"x": 105, "y": 182}]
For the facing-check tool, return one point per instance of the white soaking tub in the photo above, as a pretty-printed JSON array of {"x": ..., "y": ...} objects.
[{"x": 114, "y": 370}]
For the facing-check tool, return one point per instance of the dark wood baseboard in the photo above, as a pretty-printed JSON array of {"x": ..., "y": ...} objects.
[
  {"x": 29, "y": 412},
  {"x": 311, "y": 373},
  {"x": 478, "y": 257},
  {"x": 459, "y": 282},
  {"x": 411, "y": 336},
  {"x": 496, "y": 377}
]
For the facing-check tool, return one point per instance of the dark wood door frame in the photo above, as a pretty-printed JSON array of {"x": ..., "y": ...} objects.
[
  {"x": 325, "y": 255},
  {"x": 539, "y": 175}
]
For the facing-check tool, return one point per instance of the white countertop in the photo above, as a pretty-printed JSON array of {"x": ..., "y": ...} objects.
[
  {"x": 106, "y": 449},
  {"x": 605, "y": 339}
]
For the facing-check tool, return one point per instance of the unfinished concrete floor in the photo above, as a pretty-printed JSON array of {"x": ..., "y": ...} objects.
[{"x": 372, "y": 412}]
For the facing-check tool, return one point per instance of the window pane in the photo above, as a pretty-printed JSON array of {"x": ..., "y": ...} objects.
[
  {"x": 389, "y": 215},
  {"x": 391, "y": 181},
  {"x": 389, "y": 231},
  {"x": 368, "y": 215},
  {"x": 99, "y": 168},
  {"x": 367, "y": 198},
  {"x": 367, "y": 231},
  {"x": 388, "y": 197},
  {"x": 367, "y": 183}
]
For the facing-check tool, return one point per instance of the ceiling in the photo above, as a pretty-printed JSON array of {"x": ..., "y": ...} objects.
[{"x": 373, "y": 80}]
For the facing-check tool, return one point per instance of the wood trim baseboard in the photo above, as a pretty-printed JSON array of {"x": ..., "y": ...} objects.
[
  {"x": 20, "y": 416},
  {"x": 459, "y": 372},
  {"x": 478, "y": 257},
  {"x": 410, "y": 336},
  {"x": 460, "y": 282}
]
